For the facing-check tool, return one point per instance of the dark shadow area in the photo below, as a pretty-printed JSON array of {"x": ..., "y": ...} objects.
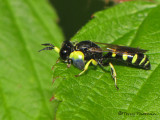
[{"x": 73, "y": 14}]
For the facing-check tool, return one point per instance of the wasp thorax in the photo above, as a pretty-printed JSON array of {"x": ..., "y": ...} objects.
[{"x": 66, "y": 49}]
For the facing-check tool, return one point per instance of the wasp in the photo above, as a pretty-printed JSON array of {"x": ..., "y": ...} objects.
[{"x": 83, "y": 53}]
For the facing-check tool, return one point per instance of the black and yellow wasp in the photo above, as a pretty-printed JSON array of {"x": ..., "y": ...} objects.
[{"x": 84, "y": 53}]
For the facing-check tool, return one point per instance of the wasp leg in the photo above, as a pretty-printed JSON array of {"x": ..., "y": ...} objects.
[
  {"x": 113, "y": 73},
  {"x": 86, "y": 66},
  {"x": 50, "y": 47},
  {"x": 69, "y": 63}
]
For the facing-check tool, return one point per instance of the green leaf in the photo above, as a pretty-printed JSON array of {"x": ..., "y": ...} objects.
[
  {"x": 93, "y": 95},
  {"x": 25, "y": 74}
]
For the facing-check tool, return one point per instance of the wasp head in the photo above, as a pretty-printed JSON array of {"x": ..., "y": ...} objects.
[{"x": 66, "y": 49}]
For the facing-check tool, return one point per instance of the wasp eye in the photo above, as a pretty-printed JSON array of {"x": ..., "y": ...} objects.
[
  {"x": 64, "y": 54},
  {"x": 66, "y": 49}
]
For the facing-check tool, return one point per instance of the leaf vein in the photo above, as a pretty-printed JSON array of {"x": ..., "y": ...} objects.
[{"x": 27, "y": 53}]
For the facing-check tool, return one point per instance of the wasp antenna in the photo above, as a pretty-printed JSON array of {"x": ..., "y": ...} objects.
[
  {"x": 48, "y": 44},
  {"x": 47, "y": 48}
]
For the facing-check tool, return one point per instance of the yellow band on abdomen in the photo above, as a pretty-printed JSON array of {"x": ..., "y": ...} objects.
[
  {"x": 125, "y": 56},
  {"x": 134, "y": 58},
  {"x": 142, "y": 61},
  {"x": 113, "y": 54}
]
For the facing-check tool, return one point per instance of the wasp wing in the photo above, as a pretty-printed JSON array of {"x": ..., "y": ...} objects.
[{"x": 117, "y": 49}]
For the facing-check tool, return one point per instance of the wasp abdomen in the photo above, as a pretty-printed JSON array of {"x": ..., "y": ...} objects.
[{"x": 137, "y": 59}]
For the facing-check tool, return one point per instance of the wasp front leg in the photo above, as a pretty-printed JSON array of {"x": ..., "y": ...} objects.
[
  {"x": 69, "y": 63},
  {"x": 86, "y": 66}
]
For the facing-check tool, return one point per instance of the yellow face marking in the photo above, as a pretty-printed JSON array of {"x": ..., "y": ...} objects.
[
  {"x": 113, "y": 54},
  {"x": 125, "y": 56},
  {"x": 144, "y": 58},
  {"x": 77, "y": 55},
  {"x": 56, "y": 49},
  {"x": 146, "y": 63},
  {"x": 134, "y": 58}
]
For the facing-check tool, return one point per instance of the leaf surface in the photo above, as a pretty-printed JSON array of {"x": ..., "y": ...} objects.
[
  {"x": 93, "y": 95},
  {"x": 25, "y": 74}
]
